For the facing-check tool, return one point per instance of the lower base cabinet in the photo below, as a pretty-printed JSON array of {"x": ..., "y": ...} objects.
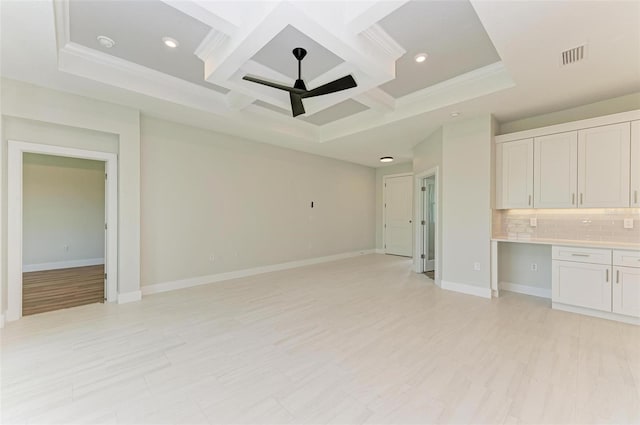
[{"x": 597, "y": 279}]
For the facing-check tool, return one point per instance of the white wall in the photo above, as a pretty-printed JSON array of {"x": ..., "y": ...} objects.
[
  {"x": 39, "y": 115},
  {"x": 514, "y": 265},
  {"x": 380, "y": 173},
  {"x": 245, "y": 203},
  {"x": 466, "y": 201},
  {"x": 63, "y": 211},
  {"x": 614, "y": 105}
]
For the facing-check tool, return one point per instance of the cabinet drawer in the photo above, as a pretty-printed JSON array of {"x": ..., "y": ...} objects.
[
  {"x": 626, "y": 258},
  {"x": 581, "y": 255}
]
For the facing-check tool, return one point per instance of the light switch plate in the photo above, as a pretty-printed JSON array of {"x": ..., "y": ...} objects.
[
  {"x": 628, "y": 223},
  {"x": 533, "y": 221}
]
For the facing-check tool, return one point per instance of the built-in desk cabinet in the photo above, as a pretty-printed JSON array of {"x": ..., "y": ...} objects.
[{"x": 594, "y": 167}]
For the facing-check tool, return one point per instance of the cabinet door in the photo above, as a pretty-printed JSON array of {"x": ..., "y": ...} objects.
[
  {"x": 604, "y": 165},
  {"x": 626, "y": 291},
  {"x": 514, "y": 178},
  {"x": 635, "y": 164},
  {"x": 581, "y": 284},
  {"x": 556, "y": 170}
]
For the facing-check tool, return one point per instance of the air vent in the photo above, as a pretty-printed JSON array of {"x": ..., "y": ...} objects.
[{"x": 574, "y": 55}]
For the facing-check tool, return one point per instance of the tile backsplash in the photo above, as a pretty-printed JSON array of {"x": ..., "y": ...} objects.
[{"x": 605, "y": 225}]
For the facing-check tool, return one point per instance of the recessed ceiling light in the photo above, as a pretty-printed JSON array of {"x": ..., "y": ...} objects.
[
  {"x": 170, "y": 42},
  {"x": 421, "y": 57},
  {"x": 386, "y": 159},
  {"x": 455, "y": 114},
  {"x": 105, "y": 41}
]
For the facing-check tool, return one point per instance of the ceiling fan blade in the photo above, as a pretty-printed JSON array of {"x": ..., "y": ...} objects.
[
  {"x": 297, "y": 108},
  {"x": 274, "y": 85},
  {"x": 343, "y": 83}
]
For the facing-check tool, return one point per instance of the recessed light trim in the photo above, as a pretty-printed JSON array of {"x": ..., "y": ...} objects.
[
  {"x": 386, "y": 159},
  {"x": 170, "y": 42},
  {"x": 420, "y": 57},
  {"x": 105, "y": 41},
  {"x": 455, "y": 114}
]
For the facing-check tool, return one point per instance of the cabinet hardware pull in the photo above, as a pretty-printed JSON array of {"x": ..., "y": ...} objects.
[
  {"x": 617, "y": 276},
  {"x": 529, "y": 200},
  {"x": 607, "y": 275},
  {"x": 581, "y": 199},
  {"x": 579, "y": 255},
  {"x": 573, "y": 199}
]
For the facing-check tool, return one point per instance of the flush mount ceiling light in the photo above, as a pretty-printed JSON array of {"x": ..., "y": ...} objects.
[
  {"x": 105, "y": 41},
  {"x": 420, "y": 57},
  {"x": 170, "y": 42},
  {"x": 386, "y": 159},
  {"x": 455, "y": 114}
]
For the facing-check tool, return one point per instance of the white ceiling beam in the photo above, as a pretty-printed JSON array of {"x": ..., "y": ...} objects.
[
  {"x": 238, "y": 101},
  {"x": 378, "y": 100},
  {"x": 361, "y": 15},
  {"x": 207, "y": 13}
]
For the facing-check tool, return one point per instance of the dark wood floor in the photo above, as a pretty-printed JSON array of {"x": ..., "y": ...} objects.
[{"x": 57, "y": 289}]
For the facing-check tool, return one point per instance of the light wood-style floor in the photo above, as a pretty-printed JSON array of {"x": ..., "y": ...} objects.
[
  {"x": 50, "y": 290},
  {"x": 359, "y": 341}
]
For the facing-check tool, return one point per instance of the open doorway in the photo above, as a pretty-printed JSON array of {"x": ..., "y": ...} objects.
[
  {"x": 63, "y": 219},
  {"x": 48, "y": 234},
  {"x": 427, "y": 227}
]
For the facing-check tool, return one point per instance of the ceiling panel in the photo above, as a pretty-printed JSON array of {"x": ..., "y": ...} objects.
[
  {"x": 137, "y": 27},
  {"x": 340, "y": 110},
  {"x": 448, "y": 31},
  {"x": 276, "y": 54}
]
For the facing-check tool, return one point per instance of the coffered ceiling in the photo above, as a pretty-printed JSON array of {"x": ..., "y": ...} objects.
[{"x": 482, "y": 57}]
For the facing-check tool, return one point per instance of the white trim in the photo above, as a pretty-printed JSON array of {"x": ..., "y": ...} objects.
[
  {"x": 596, "y": 313},
  {"x": 62, "y": 264},
  {"x": 384, "y": 209},
  {"x": 417, "y": 263},
  {"x": 570, "y": 126},
  {"x": 526, "y": 289},
  {"x": 14, "y": 217},
  {"x": 219, "y": 277},
  {"x": 464, "y": 288},
  {"x": 129, "y": 297}
]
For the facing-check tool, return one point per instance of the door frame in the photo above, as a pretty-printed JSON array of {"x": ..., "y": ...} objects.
[
  {"x": 16, "y": 149},
  {"x": 384, "y": 209},
  {"x": 420, "y": 243}
]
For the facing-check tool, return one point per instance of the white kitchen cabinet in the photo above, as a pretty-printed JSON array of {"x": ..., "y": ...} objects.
[
  {"x": 635, "y": 164},
  {"x": 514, "y": 177},
  {"x": 604, "y": 166},
  {"x": 581, "y": 284},
  {"x": 556, "y": 170},
  {"x": 626, "y": 291}
]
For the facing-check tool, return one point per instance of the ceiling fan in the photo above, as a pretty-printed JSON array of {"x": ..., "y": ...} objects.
[{"x": 299, "y": 90}]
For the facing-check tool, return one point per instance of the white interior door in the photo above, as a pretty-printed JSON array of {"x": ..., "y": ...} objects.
[
  {"x": 428, "y": 223},
  {"x": 398, "y": 205},
  {"x": 106, "y": 238}
]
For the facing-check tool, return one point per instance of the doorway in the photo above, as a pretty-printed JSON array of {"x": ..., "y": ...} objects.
[
  {"x": 108, "y": 280},
  {"x": 398, "y": 214},
  {"x": 427, "y": 234}
]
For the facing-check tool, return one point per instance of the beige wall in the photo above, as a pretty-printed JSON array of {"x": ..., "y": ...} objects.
[
  {"x": 246, "y": 204},
  {"x": 63, "y": 210},
  {"x": 614, "y": 105},
  {"x": 466, "y": 201},
  {"x": 380, "y": 173}
]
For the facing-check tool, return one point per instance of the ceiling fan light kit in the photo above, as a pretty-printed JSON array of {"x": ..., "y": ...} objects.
[{"x": 299, "y": 90}]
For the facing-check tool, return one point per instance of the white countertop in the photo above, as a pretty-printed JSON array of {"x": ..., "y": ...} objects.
[{"x": 563, "y": 242}]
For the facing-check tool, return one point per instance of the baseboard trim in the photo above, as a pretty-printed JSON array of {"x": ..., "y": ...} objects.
[
  {"x": 466, "y": 289},
  {"x": 62, "y": 264},
  {"x": 596, "y": 313},
  {"x": 219, "y": 277},
  {"x": 525, "y": 289},
  {"x": 129, "y": 297}
]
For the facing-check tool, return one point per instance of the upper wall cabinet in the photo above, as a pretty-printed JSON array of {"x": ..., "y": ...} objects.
[
  {"x": 593, "y": 163},
  {"x": 635, "y": 164},
  {"x": 604, "y": 166},
  {"x": 555, "y": 170},
  {"x": 514, "y": 177}
]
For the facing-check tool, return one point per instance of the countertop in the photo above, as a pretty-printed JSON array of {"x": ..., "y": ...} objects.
[{"x": 563, "y": 242}]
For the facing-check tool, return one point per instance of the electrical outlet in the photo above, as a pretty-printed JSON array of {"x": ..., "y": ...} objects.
[
  {"x": 476, "y": 266},
  {"x": 212, "y": 258},
  {"x": 628, "y": 223},
  {"x": 534, "y": 267},
  {"x": 533, "y": 221}
]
